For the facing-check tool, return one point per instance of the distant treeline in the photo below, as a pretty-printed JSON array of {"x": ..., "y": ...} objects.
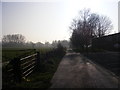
[{"x": 18, "y": 41}]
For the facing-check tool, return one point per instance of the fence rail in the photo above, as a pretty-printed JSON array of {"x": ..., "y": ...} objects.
[{"x": 20, "y": 68}]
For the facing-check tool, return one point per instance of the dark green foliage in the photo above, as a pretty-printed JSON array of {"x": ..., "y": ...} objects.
[{"x": 49, "y": 61}]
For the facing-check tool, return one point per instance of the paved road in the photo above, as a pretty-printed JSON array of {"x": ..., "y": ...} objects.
[
  {"x": 75, "y": 71},
  {"x": 0, "y": 75}
]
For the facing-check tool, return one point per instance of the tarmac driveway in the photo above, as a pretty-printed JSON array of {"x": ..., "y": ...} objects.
[{"x": 75, "y": 71}]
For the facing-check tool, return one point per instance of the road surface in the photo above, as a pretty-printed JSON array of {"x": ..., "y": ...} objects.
[
  {"x": 0, "y": 75},
  {"x": 75, "y": 71}
]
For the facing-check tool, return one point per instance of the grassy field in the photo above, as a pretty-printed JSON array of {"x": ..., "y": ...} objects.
[
  {"x": 10, "y": 53},
  {"x": 44, "y": 50},
  {"x": 40, "y": 78}
]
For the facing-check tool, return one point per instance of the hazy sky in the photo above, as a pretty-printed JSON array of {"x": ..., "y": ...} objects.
[
  {"x": 119, "y": 16},
  {"x": 50, "y": 20}
]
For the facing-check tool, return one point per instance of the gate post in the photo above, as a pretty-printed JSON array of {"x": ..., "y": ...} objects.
[
  {"x": 38, "y": 61},
  {"x": 17, "y": 69}
]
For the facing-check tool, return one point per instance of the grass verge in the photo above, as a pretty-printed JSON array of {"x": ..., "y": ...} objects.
[{"x": 42, "y": 77}]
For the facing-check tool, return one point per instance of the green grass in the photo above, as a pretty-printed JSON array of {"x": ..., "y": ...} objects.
[
  {"x": 44, "y": 50},
  {"x": 11, "y": 53},
  {"x": 42, "y": 77},
  {"x": 37, "y": 80}
]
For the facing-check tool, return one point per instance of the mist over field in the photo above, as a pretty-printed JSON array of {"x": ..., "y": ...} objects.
[{"x": 59, "y": 44}]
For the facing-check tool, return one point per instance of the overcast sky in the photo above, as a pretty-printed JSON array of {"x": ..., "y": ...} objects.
[{"x": 50, "y": 20}]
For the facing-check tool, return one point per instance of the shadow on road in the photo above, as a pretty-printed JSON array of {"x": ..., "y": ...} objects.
[{"x": 75, "y": 71}]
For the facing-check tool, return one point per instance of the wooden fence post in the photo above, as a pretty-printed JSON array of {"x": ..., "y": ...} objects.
[
  {"x": 17, "y": 69},
  {"x": 38, "y": 61}
]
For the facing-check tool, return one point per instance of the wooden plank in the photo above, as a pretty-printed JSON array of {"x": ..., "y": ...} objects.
[
  {"x": 28, "y": 70},
  {"x": 29, "y": 73},
  {"x": 10, "y": 70},
  {"x": 28, "y": 62},
  {"x": 28, "y": 57},
  {"x": 28, "y": 65}
]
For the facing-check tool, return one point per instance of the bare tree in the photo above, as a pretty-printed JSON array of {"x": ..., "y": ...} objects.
[
  {"x": 74, "y": 25},
  {"x": 13, "y": 40},
  {"x": 104, "y": 26},
  {"x": 87, "y": 26}
]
